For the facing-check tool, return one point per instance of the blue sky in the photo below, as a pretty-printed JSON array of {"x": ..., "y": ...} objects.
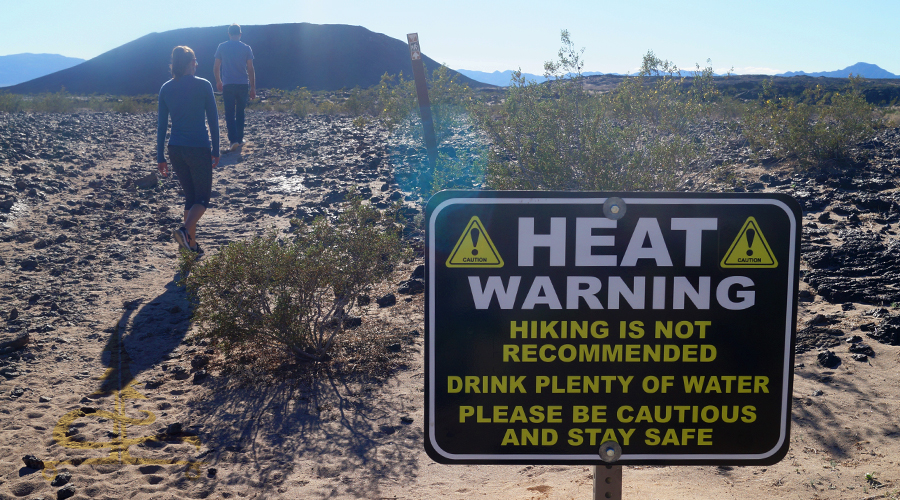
[{"x": 763, "y": 36}]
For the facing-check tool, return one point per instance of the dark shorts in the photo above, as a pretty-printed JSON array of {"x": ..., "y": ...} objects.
[{"x": 193, "y": 166}]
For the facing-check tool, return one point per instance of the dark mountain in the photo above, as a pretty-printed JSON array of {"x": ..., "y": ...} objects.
[
  {"x": 865, "y": 69},
  {"x": 18, "y": 68},
  {"x": 287, "y": 56}
]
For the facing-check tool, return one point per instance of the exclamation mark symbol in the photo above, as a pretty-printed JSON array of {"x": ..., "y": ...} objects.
[
  {"x": 751, "y": 234},
  {"x": 474, "y": 234}
]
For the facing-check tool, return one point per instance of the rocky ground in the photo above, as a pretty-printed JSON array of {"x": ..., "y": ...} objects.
[{"x": 101, "y": 383}]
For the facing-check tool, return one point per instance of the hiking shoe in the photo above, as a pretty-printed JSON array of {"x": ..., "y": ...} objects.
[
  {"x": 234, "y": 146},
  {"x": 198, "y": 250},
  {"x": 181, "y": 237}
]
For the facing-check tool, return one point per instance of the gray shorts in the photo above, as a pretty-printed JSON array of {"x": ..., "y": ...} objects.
[{"x": 193, "y": 166}]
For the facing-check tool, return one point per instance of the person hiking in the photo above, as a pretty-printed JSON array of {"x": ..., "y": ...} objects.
[
  {"x": 186, "y": 99},
  {"x": 236, "y": 79}
]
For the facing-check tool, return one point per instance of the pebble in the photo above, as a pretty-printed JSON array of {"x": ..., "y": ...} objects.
[
  {"x": 61, "y": 479},
  {"x": 67, "y": 491},
  {"x": 33, "y": 462},
  {"x": 387, "y": 300}
]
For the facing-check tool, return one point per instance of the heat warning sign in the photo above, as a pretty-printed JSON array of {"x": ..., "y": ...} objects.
[{"x": 558, "y": 323}]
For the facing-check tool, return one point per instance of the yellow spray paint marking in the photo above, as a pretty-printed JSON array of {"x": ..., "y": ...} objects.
[
  {"x": 750, "y": 249},
  {"x": 474, "y": 248},
  {"x": 118, "y": 446}
]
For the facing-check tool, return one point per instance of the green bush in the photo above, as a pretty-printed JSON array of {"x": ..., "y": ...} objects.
[
  {"x": 397, "y": 100},
  {"x": 399, "y": 106},
  {"x": 360, "y": 102},
  {"x": 134, "y": 105},
  {"x": 560, "y": 136},
  {"x": 462, "y": 171},
  {"x": 815, "y": 128},
  {"x": 58, "y": 102},
  {"x": 291, "y": 296},
  {"x": 10, "y": 103},
  {"x": 298, "y": 101}
]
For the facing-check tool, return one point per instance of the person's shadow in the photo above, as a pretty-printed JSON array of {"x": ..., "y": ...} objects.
[
  {"x": 230, "y": 158},
  {"x": 145, "y": 335}
]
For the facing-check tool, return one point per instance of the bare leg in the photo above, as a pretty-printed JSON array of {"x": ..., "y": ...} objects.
[{"x": 191, "y": 217}]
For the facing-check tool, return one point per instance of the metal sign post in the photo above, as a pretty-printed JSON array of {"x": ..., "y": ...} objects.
[
  {"x": 607, "y": 482},
  {"x": 415, "y": 54},
  {"x": 610, "y": 329}
]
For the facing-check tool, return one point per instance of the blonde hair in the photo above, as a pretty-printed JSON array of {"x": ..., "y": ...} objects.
[{"x": 181, "y": 57}]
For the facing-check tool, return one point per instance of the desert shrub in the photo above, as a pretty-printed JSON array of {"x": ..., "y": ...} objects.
[
  {"x": 559, "y": 136},
  {"x": 891, "y": 117},
  {"x": 10, "y": 103},
  {"x": 464, "y": 170},
  {"x": 298, "y": 101},
  {"x": 360, "y": 102},
  {"x": 328, "y": 107},
  {"x": 813, "y": 128},
  {"x": 134, "y": 105},
  {"x": 450, "y": 103},
  {"x": 399, "y": 107},
  {"x": 58, "y": 102},
  {"x": 292, "y": 296},
  {"x": 396, "y": 99}
]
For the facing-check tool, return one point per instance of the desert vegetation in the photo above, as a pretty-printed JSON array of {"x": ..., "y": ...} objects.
[
  {"x": 651, "y": 133},
  {"x": 293, "y": 296},
  {"x": 65, "y": 102}
]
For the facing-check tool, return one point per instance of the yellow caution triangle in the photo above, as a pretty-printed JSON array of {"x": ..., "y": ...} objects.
[
  {"x": 474, "y": 248},
  {"x": 750, "y": 249}
]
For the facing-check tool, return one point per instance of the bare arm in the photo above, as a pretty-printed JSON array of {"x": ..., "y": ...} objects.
[
  {"x": 217, "y": 70},
  {"x": 252, "y": 74}
]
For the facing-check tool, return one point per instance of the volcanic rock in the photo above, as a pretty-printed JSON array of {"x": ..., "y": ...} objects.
[
  {"x": 13, "y": 341},
  {"x": 33, "y": 462},
  {"x": 828, "y": 359}
]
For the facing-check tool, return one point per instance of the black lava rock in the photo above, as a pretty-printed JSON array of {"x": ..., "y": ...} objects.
[
  {"x": 861, "y": 348},
  {"x": 887, "y": 332},
  {"x": 387, "y": 301},
  {"x": 33, "y": 462},
  {"x": 199, "y": 362},
  {"x": 67, "y": 491},
  {"x": 813, "y": 337},
  {"x": 828, "y": 359},
  {"x": 180, "y": 373},
  {"x": 61, "y": 479},
  {"x": 351, "y": 322},
  {"x": 410, "y": 287}
]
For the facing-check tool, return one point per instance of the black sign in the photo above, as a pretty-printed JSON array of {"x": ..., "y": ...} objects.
[{"x": 658, "y": 327}]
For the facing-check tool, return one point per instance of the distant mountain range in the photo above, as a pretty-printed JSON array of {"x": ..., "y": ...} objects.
[
  {"x": 287, "y": 56},
  {"x": 18, "y": 68},
  {"x": 502, "y": 78},
  {"x": 319, "y": 57},
  {"x": 865, "y": 70}
]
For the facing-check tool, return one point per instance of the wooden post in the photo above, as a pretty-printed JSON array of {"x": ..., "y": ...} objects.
[{"x": 415, "y": 54}]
